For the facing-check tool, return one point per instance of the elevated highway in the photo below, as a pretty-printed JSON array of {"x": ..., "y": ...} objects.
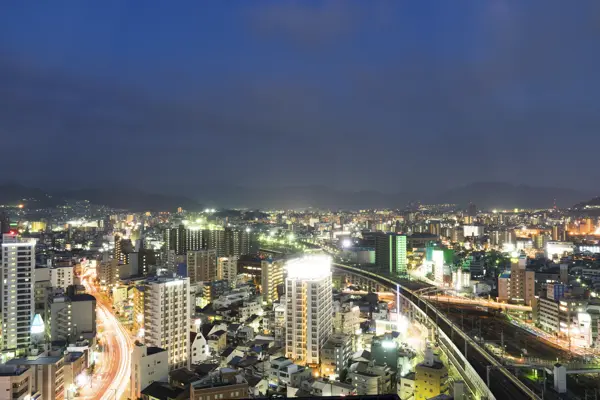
[{"x": 472, "y": 361}]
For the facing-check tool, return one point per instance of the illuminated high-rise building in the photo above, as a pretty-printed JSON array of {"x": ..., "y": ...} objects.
[
  {"x": 226, "y": 241},
  {"x": 519, "y": 285},
  {"x": 183, "y": 239},
  {"x": 202, "y": 265},
  {"x": 390, "y": 253},
  {"x": 472, "y": 210},
  {"x": 555, "y": 233},
  {"x": 165, "y": 317},
  {"x": 17, "y": 292},
  {"x": 309, "y": 306},
  {"x": 227, "y": 269},
  {"x": 435, "y": 228},
  {"x": 271, "y": 278}
]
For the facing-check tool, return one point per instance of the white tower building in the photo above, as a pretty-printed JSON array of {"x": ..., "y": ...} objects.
[
  {"x": 166, "y": 318},
  {"x": 309, "y": 312},
  {"x": 17, "y": 293}
]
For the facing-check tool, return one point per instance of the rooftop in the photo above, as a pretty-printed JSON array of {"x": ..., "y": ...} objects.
[
  {"x": 154, "y": 350},
  {"x": 82, "y": 297},
  {"x": 162, "y": 391},
  {"x": 11, "y": 370},
  {"x": 43, "y": 360}
]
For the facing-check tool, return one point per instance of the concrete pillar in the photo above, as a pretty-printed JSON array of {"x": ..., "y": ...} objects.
[
  {"x": 460, "y": 390},
  {"x": 560, "y": 378}
]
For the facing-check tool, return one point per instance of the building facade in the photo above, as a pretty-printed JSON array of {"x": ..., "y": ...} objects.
[
  {"x": 271, "y": 279},
  {"x": 17, "y": 293},
  {"x": 390, "y": 253},
  {"x": 165, "y": 320},
  {"x": 202, "y": 265},
  {"x": 148, "y": 365},
  {"x": 227, "y": 269},
  {"x": 61, "y": 276},
  {"x": 309, "y": 299}
]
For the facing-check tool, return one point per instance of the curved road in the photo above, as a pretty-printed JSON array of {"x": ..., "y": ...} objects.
[{"x": 115, "y": 367}]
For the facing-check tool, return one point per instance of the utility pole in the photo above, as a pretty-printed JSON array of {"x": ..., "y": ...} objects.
[{"x": 502, "y": 344}]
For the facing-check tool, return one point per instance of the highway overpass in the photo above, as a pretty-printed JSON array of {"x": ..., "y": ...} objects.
[{"x": 470, "y": 359}]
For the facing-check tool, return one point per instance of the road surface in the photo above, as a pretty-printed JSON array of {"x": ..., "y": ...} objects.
[
  {"x": 111, "y": 379},
  {"x": 476, "y": 302}
]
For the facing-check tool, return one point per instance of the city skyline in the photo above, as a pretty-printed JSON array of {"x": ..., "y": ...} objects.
[
  {"x": 244, "y": 200},
  {"x": 322, "y": 93}
]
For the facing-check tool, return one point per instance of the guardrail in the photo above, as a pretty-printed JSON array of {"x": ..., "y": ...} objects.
[{"x": 493, "y": 362}]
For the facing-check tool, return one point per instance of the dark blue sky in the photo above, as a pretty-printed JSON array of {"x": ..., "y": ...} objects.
[{"x": 387, "y": 95}]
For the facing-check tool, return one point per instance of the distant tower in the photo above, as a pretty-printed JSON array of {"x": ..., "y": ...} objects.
[
  {"x": 4, "y": 224},
  {"x": 472, "y": 210}
]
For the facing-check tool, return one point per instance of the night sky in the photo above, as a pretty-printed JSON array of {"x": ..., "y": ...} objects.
[{"x": 350, "y": 94}]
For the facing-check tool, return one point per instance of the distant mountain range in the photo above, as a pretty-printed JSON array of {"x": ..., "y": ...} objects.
[
  {"x": 115, "y": 197},
  {"x": 486, "y": 195},
  {"x": 589, "y": 205}
]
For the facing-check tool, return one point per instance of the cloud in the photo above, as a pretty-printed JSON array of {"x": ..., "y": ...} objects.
[
  {"x": 401, "y": 116},
  {"x": 318, "y": 25},
  {"x": 306, "y": 24}
]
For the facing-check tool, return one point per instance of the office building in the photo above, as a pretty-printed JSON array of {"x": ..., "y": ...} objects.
[
  {"x": 165, "y": 319},
  {"x": 435, "y": 228},
  {"x": 473, "y": 231},
  {"x": 37, "y": 226},
  {"x": 214, "y": 239},
  {"x": 308, "y": 307},
  {"x": 148, "y": 365},
  {"x": 555, "y": 291},
  {"x": 431, "y": 377},
  {"x": 61, "y": 275},
  {"x": 472, "y": 210},
  {"x": 141, "y": 260},
  {"x": 42, "y": 288},
  {"x": 70, "y": 317},
  {"x": 271, "y": 279},
  {"x": 122, "y": 249},
  {"x": 519, "y": 285},
  {"x": 335, "y": 354},
  {"x": 182, "y": 239},
  {"x": 346, "y": 318},
  {"x": 226, "y": 241},
  {"x": 370, "y": 379},
  {"x": 47, "y": 374},
  {"x": 202, "y": 265},
  {"x": 15, "y": 382},
  {"x": 384, "y": 351},
  {"x": 4, "y": 224},
  {"x": 17, "y": 293},
  {"x": 561, "y": 316},
  {"x": 227, "y": 269},
  {"x": 108, "y": 272},
  {"x": 558, "y": 249},
  {"x": 390, "y": 253}
]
